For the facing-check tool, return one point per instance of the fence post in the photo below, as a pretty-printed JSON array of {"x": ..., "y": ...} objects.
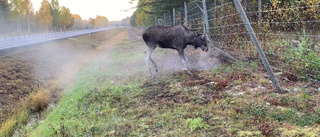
[
  {"x": 257, "y": 45},
  {"x": 259, "y": 14},
  {"x": 215, "y": 19},
  {"x": 174, "y": 16},
  {"x": 206, "y": 26},
  {"x": 223, "y": 20},
  {"x": 185, "y": 14},
  {"x": 155, "y": 21},
  {"x": 205, "y": 19},
  {"x": 164, "y": 19}
]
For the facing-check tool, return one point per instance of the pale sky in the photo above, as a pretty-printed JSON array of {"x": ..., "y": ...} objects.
[{"x": 112, "y": 9}]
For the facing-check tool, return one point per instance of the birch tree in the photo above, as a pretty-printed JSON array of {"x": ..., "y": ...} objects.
[
  {"x": 18, "y": 9},
  {"x": 55, "y": 13},
  {"x": 29, "y": 13},
  {"x": 4, "y": 13},
  {"x": 45, "y": 18},
  {"x": 65, "y": 17}
]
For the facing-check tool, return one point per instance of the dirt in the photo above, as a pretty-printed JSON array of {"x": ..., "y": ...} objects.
[
  {"x": 17, "y": 80},
  {"x": 181, "y": 87},
  {"x": 50, "y": 65}
]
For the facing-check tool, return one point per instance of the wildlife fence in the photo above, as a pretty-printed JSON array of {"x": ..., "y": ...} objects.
[{"x": 287, "y": 31}]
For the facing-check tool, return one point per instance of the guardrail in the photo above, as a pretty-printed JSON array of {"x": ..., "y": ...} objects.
[
  {"x": 14, "y": 37},
  {"x": 10, "y": 41}
]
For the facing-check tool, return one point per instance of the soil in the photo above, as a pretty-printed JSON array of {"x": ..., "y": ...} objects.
[{"x": 26, "y": 69}]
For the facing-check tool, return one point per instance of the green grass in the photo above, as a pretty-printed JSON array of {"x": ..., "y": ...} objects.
[{"x": 122, "y": 101}]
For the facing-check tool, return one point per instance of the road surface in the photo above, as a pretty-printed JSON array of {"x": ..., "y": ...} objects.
[{"x": 12, "y": 42}]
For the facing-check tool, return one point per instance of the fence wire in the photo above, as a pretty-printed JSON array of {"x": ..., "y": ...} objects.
[{"x": 288, "y": 33}]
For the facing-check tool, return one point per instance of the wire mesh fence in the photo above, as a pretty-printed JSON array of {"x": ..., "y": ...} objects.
[{"x": 288, "y": 32}]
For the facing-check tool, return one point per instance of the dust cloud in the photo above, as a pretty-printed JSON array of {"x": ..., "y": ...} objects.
[
  {"x": 168, "y": 60},
  {"x": 59, "y": 61}
]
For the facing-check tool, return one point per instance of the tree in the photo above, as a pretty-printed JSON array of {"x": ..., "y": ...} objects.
[
  {"x": 29, "y": 13},
  {"x": 4, "y": 16},
  {"x": 18, "y": 9},
  {"x": 66, "y": 18},
  {"x": 92, "y": 23},
  {"x": 55, "y": 11},
  {"x": 70, "y": 25},
  {"x": 45, "y": 18},
  {"x": 101, "y": 21},
  {"x": 78, "y": 22},
  {"x": 141, "y": 17},
  {"x": 125, "y": 21},
  {"x": 133, "y": 19},
  {"x": 147, "y": 10}
]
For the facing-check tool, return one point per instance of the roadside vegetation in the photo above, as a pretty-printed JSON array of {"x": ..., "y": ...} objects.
[
  {"x": 108, "y": 92},
  {"x": 34, "y": 78},
  {"x": 112, "y": 96}
]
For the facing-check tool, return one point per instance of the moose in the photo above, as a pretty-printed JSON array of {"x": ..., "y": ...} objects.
[{"x": 172, "y": 37}]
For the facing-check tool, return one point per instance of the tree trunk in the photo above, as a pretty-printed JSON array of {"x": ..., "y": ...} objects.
[
  {"x": 29, "y": 30},
  {"x": 18, "y": 24}
]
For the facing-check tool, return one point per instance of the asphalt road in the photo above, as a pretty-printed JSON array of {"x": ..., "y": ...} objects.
[{"x": 19, "y": 41}]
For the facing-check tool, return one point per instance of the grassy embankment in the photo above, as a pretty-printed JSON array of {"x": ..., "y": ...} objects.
[
  {"x": 34, "y": 77},
  {"x": 114, "y": 97}
]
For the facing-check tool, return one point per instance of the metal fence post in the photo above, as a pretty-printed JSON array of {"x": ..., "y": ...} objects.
[
  {"x": 215, "y": 18},
  {"x": 185, "y": 14},
  {"x": 164, "y": 19},
  {"x": 174, "y": 16},
  {"x": 205, "y": 19},
  {"x": 223, "y": 20},
  {"x": 155, "y": 21},
  {"x": 257, "y": 45},
  {"x": 260, "y": 13}
]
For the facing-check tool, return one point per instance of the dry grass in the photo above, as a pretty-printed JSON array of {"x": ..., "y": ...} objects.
[
  {"x": 18, "y": 119},
  {"x": 40, "y": 100},
  {"x": 7, "y": 128},
  {"x": 34, "y": 102}
]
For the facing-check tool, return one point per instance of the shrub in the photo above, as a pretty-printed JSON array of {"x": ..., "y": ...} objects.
[
  {"x": 197, "y": 123},
  {"x": 40, "y": 100},
  {"x": 305, "y": 60}
]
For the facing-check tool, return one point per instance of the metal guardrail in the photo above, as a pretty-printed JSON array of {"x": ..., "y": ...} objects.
[{"x": 28, "y": 39}]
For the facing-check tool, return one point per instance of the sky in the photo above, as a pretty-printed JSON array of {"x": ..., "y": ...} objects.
[{"x": 112, "y": 9}]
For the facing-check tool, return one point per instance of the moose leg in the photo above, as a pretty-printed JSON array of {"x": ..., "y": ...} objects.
[
  {"x": 154, "y": 64},
  {"x": 150, "y": 48},
  {"x": 183, "y": 59}
]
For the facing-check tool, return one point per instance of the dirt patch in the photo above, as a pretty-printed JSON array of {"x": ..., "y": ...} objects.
[
  {"x": 17, "y": 80},
  {"x": 192, "y": 88},
  {"x": 195, "y": 79}
]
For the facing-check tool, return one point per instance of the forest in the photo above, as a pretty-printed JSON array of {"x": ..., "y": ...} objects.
[
  {"x": 147, "y": 10},
  {"x": 19, "y": 16}
]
